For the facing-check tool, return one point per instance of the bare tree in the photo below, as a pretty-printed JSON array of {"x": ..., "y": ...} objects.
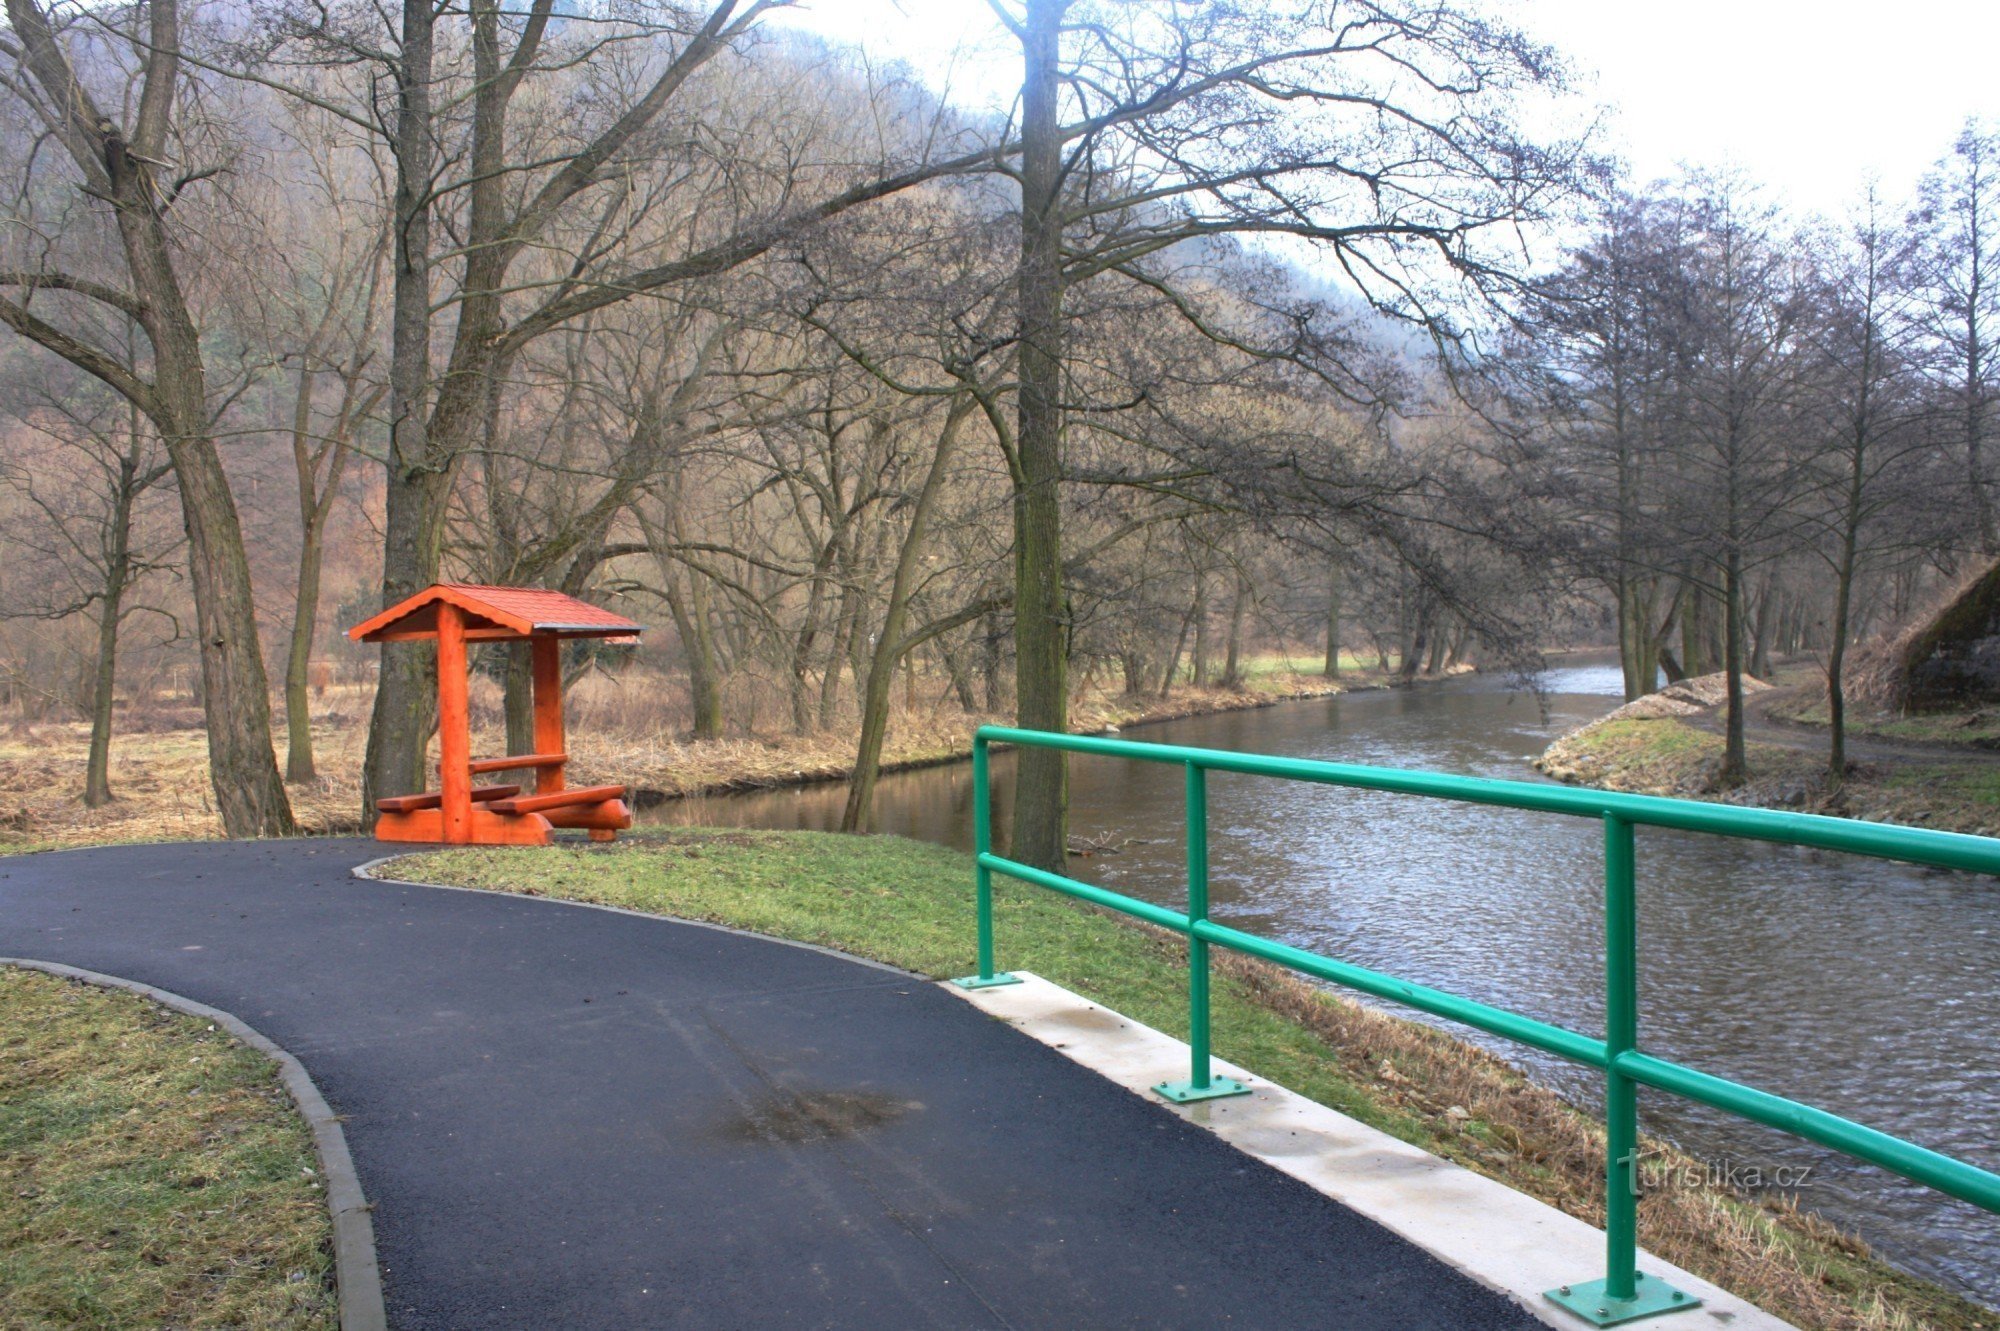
[
  {"x": 545, "y": 229},
  {"x": 1379, "y": 133},
  {"x": 1864, "y": 338},
  {"x": 1958, "y": 263},
  {"x": 317, "y": 311},
  {"x": 87, "y": 481},
  {"x": 140, "y": 175}
]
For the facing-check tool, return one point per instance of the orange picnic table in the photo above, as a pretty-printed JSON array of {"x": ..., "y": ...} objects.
[{"x": 460, "y": 813}]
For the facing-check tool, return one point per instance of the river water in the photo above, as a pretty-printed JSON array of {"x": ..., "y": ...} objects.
[{"x": 1865, "y": 988}]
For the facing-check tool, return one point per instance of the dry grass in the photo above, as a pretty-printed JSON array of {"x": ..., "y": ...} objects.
[
  {"x": 160, "y": 785},
  {"x": 1879, "y": 673},
  {"x": 628, "y": 729},
  {"x": 1486, "y": 1116},
  {"x": 152, "y": 1172}
]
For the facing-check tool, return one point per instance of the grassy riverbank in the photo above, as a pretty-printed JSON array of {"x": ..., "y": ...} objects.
[
  {"x": 626, "y": 729},
  {"x": 909, "y": 904},
  {"x": 153, "y": 1172},
  {"x": 1923, "y": 772}
]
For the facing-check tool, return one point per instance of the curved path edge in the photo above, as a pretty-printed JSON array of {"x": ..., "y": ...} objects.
[
  {"x": 367, "y": 872},
  {"x": 357, "y": 1278},
  {"x": 1530, "y": 1247}
]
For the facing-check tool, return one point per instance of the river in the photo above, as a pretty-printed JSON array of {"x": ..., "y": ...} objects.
[{"x": 1865, "y": 988}]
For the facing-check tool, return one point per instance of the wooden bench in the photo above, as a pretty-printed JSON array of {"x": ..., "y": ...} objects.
[
  {"x": 559, "y": 799},
  {"x": 457, "y": 615},
  {"x": 434, "y": 799},
  {"x": 600, "y": 810}
]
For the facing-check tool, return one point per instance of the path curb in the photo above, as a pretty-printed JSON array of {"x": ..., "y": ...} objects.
[{"x": 357, "y": 1278}]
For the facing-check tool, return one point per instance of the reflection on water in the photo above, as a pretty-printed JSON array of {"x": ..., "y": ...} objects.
[{"x": 1865, "y": 988}]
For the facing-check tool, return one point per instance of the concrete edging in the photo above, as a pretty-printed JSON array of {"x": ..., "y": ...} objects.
[
  {"x": 1505, "y": 1240},
  {"x": 357, "y": 1278}
]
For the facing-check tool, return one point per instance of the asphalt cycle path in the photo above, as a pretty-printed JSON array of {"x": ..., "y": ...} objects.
[{"x": 580, "y": 1119}]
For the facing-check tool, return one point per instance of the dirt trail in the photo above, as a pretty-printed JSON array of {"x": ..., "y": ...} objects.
[{"x": 1761, "y": 727}]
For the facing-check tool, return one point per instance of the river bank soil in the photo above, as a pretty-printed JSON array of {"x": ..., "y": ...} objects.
[
  {"x": 627, "y": 729},
  {"x": 905, "y": 903},
  {"x": 1939, "y": 770}
]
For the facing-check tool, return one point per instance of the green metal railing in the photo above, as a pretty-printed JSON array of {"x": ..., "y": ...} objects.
[{"x": 1624, "y": 1294}]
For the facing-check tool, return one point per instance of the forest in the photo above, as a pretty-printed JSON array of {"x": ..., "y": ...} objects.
[{"x": 1317, "y": 334}]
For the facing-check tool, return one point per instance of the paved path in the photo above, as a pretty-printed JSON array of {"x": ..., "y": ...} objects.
[{"x": 570, "y": 1119}]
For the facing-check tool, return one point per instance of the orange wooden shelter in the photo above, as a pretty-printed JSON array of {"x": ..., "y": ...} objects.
[{"x": 460, "y": 813}]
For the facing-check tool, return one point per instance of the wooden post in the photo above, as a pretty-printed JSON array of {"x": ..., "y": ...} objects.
[
  {"x": 454, "y": 726},
  {"x": 548, "y": 709}
]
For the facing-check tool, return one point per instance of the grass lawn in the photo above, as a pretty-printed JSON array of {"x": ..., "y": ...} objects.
[
  {"x": 153, "y": 1172},
  {"x": 910, "y": 905}
]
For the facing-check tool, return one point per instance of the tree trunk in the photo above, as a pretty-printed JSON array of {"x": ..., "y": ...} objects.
[
  {"x": 415, "y": 485},
  {"x": 518, "y": 696},
  {"x": 1844, "y": 570},
  {"x": 1648, "y": 636},
  {"x": 1764, "y": 629},
  {"x": 317, "y": 492},
  {"x": 1975, "y": 384},
  {"x": 1173, "y": 670},
  {"x": 298, "y": 662},
  {"x": 1735, "y": 762},
  {"x": 1133, "y": 665},
  {"x": 690, "y": 611},
  {"x": 1232, "y": 662},
  {"x": 1836, "y": 661},
  {"x": 236, "y": 694},
  {"x": 1041, "y": 790},
  {"x": 961, "y": 680},
  {"x": 1417, "y": 644},
  {"x": 890, "y": 646},
  {"x": 845, "y": 629},
  {"x": 799, "y": 667},
  {"x": 1629, "y": 631},
  {"x": 1332, "y": 667},
  {"x": 992, "y": 636},
  {"x": 117, "y": 575},
  {"x": 1696, "y": 657},
  {"x": 1201, "y": 650}
]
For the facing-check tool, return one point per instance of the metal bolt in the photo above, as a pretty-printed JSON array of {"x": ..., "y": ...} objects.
[
  {"x": 1604, "y": 1312},
  {"x": 1563, "y": 1290}
]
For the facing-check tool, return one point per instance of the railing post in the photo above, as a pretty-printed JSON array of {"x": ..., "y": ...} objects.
[
  {"x": 1200, "y": 1085},
  {"x": 1624, "y": 1295},
  {"x": 982, "y": 877},
  {"x": 1621, "y": 1035}
]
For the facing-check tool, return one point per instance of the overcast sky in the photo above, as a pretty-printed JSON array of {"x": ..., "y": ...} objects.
[{"x": 1807, "y": 96}]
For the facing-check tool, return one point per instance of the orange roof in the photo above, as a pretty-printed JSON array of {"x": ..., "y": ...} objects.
[{"x": 495, "y": 614}]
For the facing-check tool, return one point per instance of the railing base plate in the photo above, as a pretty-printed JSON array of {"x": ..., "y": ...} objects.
[
  {"x": 1651, "y": 1296},
  {"x": 986, "y": 981},
  {"x": 1186, "y": 1092}
]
